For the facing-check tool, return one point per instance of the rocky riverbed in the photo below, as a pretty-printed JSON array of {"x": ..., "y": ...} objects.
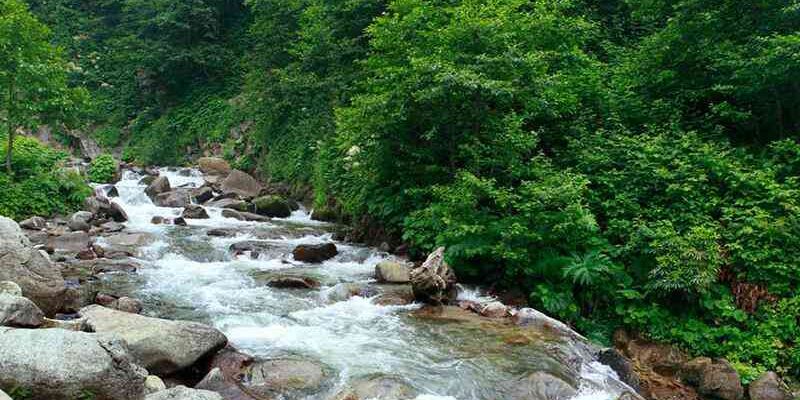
[{"x": 182, "y": 284}]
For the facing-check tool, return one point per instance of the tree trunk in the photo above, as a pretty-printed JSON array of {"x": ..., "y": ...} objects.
[{"x": 11, "y": 128}]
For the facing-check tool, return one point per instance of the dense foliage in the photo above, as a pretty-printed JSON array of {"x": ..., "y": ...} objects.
[
  {"x": 40, "y": 184},
  {"x": 103, "y": 169},
  {"x": 621, "y": 163}
]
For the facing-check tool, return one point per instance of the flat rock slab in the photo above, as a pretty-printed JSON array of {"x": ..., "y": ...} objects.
[
  {"x": 57, "y": 364},
  {"x": 162, "y": 346}
]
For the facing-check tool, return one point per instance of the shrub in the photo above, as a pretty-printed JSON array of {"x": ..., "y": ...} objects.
[{"x": 103, "y": 169}]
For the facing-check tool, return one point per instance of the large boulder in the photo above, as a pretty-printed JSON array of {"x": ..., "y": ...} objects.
[
  {"x": 769, "y": 386},
  {"x": 315, "y": 253},
  {"x": 39, "y": 279},
  {"x": 720, "y": 380},
  {"x": 57, "y": 364},
  {"x": 103, "y": 208},
  {"x": 434, "y": 281},
  {"x": 162, "y": 346},
  {"x": 213, "y": 166},
  {"x": 79, "y": 221},
  {"x": 17, "y": 311},
  {"x": 272, "y": 206},
  {"x": 203, "y": 194},
  {"x": 195, "y": 212},
  {"x": 285, "y": 377},
  {"x": 226, "y": 369},
  {"x": 241, "y": 184},
  {"x": 392, "y": 272},
  {"x": 184, "y": 393},
  {"x": 157, "y": 186},
  {"x": 175, "y": 198}
]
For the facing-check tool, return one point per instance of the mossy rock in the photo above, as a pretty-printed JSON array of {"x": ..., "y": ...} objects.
[{"x": 272, "y": 206}]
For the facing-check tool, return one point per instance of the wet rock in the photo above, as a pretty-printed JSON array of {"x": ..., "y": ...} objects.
[
  {"x": 8, "y": 287},
  {"x": 111, "y": 191},
  {"x": 241, "y": 184},
  {"x": 71, "y": 242},
  {"x": 346, "y": 290},
  {"x": 34, "y": 223},
  {"x": 203, "y": 194},
  {"x": 378, "y": 387},
  {"x": 147, "y": 180},
  {"x": 392, "y": 272},
  {"x": 32, "y": 270},
  {"x": 213, "y": 166},
  {"x": 153, "y": 384},
  {"x": 769, "y": 386},
  {"x": 222, "y": 232},
  {"x": 272, "y": 206},
  {"x": 283, "y": 377},
  {"x": 720, "y": 380},
  {"x": 434, "y": 281},
  {"x": 162, "y": 346},
  {"x": 396, "y": 295},
  {"x": 107, "y": 266},
  {"x": 174, "y": 199},
  {"x": 292, "y": 282},
  {"x": 622, "y": 365},
  {"x": 195, "y": 212},
  {"x": 57, "y": 364},
  {"x": 226, "y": 387},
  {"x": 124, "y": 304},
  {"x": 228, "y": 203},
  {"x": 158, "y": 186},
  {"x": 112, "y": 226},
  {"x": 315, "y": 253},
  {"x": 126, "y": 242},
  {"x": 17, "y": 311},
  {"x": 541, "y": 385},
  {"x": 256, "y": 246},
  {"x": 179, "y": 221},
  {"x": 157, "y": 220},
  {"x": 230, "y": 362},
  {"x": 536, "y": 319},
  {"x": 494, "y": 309},
  {"x": 184, "y": 393}
]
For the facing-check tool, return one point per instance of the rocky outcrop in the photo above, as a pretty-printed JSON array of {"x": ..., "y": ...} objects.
[
  {"x": 157, "y": 186},
  {"x": 17, "y": 311},
  {"x": 194, "y": 211},
  {"x": 57, "y": 364},
  {"x": 184, "y": 393},
  {"x": 769, "y": 386},
  {"x": 315, "y": 253},
  {"x": 272, "y": 206},
  {"x": 213, "y": 166},
  {"x": 718, "y": 379},
  {"x": 162, "y": 346},
  {"x": 241, "y": 184},
  {"x": 392, "y": 272},
  {"x": 31, "y": 269},
  {"x": 434, "y": 281}
]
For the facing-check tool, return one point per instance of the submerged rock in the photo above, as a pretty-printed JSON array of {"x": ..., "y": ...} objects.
[
  {"x": 392, "y": 272},
  {"x": 162, "y": 346},
  {"x": 57, "y": 364},
  {"x": 229, "y": 203},
  {"x": 434, "y": 281},
  {"x": 315, "y": 253},
  {"x": 292, "y": 282}
]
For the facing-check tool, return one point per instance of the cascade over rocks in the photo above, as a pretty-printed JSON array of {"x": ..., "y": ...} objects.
[
  {"x": 58, "y": 364},
  {"x": 315, "y": 253},
  {"x": 434, "y": 281},
  {"x": 241, "y": 184},
  {"x": 162, "y": 346},
  {"x": 39, "y": 279}
]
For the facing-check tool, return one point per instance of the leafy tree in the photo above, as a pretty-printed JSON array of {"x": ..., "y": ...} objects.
[{"x": 32, "y": 73}]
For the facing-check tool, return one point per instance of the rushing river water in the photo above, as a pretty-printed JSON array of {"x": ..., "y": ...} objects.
[{"x": 187, "y": 274}]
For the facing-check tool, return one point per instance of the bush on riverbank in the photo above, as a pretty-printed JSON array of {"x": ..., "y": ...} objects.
[{"x": 40, "y": 185}]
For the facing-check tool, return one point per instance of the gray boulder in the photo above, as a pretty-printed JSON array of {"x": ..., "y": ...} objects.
[
  {"x": 162, "y": 346},
  {"x": 434, "y": 281},
  {"x": 80, "y": 220},
  {"x": 769, "y": 386},
  {"x": 184, "y": 393},
  {"x": 241, "y": 184},
  {"x": 392, "y": 272},
  {"x": 175, "y": 198},
  {"x": 57, "y": 364},
  {"x": 19, "y": 312},
  {"x": 157, "y": 186},
  {"x": 195, "y": 212},
  {"x": 284, "y": 377},
  {"x": 32, "y": 270},
  {"x": 33, "y": 223}
]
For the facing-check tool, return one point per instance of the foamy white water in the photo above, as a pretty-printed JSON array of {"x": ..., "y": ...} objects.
[{"x": 190, "y": 275}]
